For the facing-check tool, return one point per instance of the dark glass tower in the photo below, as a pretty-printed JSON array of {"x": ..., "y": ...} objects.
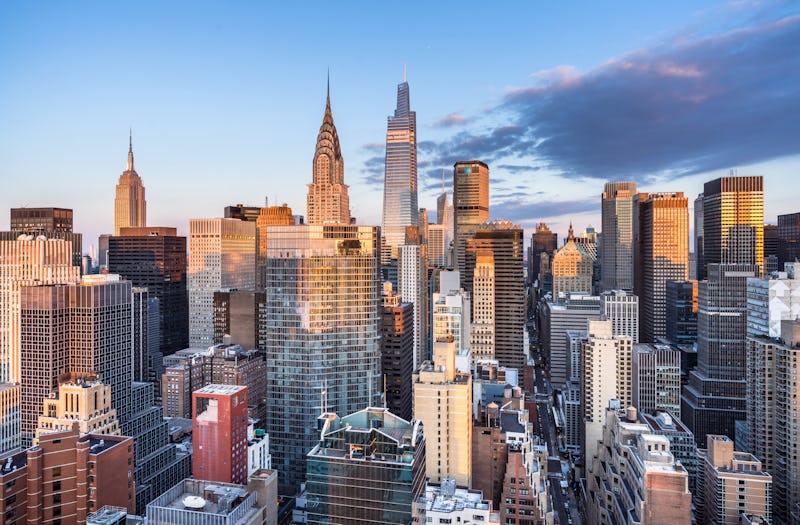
[{"x": 156, "y": 258}]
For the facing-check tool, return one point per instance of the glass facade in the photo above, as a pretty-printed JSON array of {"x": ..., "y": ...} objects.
[
  {"x": 400, "y": 182},
  {"x": 322, "y": 334},
  {"x": 368, "y": 468},
  {"x": 617, "y": 227}
]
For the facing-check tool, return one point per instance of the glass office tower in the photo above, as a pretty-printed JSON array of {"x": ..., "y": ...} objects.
[
  {"x": 400, "y": 182},
  {"x": 322, "y": 334}
]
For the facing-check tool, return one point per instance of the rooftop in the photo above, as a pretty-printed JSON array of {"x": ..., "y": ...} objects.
[
  {"x": 207, "y": 497},
  {"x": 446, "y": 498},
  {"x": 221, "y": 389}
]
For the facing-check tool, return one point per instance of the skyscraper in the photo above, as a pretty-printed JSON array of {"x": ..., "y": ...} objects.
[
  {"x": 400, "y": 183},
  {"x": 622, "y": 309},
  {"x": 269, "y": 216},
  {"x": 130, "y": 207},
  {"x": 661, "y": 254},
  {"x": 542, "y": 241},
  {"x": 53, "y": 223},
  {"x": 681, "y": 298},
  {"x": 155, "y": 258},
  {"x": 27, "y": 261},
  {"x": 483, "y": 307},
  {"x": 328, "y": 201},
  {"x": 656, "y": 381},
  {"x": 504, "y": 241},
  {"x": 733, "y": 222},
  {"x": 617, "y": 227},
  {"x": 412, "y": 280},
  {"x": 714, "y": 398},
  {"x": 222, "y": 254},
  {"x": 322, "y": 334},
  {"x": 470, "y": 206},
  {"x": 788, "y": 238},
  {"x": 397, "y": 354}
]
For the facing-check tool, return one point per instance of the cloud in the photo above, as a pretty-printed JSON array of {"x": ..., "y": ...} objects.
[
  {"x": 527, "y": 211},
  {"x": 695, "y": 104},
  {"x": 450, "y": 120},
  {"x": 718, "y": 102}
]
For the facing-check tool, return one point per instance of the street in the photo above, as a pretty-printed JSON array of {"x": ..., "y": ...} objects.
[{"x": 546, "y": 428}]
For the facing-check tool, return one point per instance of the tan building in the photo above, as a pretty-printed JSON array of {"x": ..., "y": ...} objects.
[
  {"x": 470, "y": 206},
  {"x": 525, "y": 497},
  {"x": 222, "y": 254},
  {"x": 9, "y": 418},
  {"x": 572, "y": 269},
  {"x": 27, "y": 261},
  {"x": 729, "y": 484},
  {"x": 443, "y": 402},
  {"x": 269, "y": 216},
  {"x": 606, "y": 374},
  {"x": 86, "y": 403},
  {"x": 634, "y": 478},
  {"x": 65, "y": 477},
  {"x": 130, "y": 206},
  {"x": 482, "y": 328},
  {"x": 328, "y": 201},
  {"x": 661, "y": 254}
]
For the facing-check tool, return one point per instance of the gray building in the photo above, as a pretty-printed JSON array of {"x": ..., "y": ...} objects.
[
  {"x": 682, "y": 312},
  {"x": 555, "y": 319},
  {"x": 617, "y": 228},
  {"x": 657, "y": 378},
  {"x": 622, "y": 309},
  {"x": 714, "y": 398}
]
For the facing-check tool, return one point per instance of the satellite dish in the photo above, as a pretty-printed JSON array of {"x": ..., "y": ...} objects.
[{"x": 194, "y": 502}]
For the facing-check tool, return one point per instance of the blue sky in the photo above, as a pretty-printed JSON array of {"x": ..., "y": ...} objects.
[{"x": 225, "y": 101}]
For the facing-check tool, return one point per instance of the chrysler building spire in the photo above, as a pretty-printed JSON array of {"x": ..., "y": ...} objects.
[{"x": 328, "y": 201}]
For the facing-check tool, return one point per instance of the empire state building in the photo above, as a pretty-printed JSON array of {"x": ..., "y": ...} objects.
[
  {"x": 328, "y": 201},
  {"x": 130, "y": 207}
]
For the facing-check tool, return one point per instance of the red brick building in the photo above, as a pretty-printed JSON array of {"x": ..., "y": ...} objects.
[
  {"x": 219, "y": 433},
  {"x": 66, "y": 477}
]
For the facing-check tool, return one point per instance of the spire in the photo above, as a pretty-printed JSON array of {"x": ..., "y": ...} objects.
[
  {"x": 130, "y": 151},
  {"x": 328, "y": 99},
  {"x": 571, "y": 234}
]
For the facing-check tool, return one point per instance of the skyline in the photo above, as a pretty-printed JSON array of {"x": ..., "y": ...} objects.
[{"x": 705, "y": 89}]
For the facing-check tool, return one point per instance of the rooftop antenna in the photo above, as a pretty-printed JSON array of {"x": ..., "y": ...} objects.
[
  {"x": 404, "y": 72},
  {"x": 442, "y": 180}
]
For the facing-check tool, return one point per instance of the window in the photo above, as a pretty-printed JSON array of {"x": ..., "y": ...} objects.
[
  {"x": 57, "y": 485},
  {"x": 56, "y": 471}
]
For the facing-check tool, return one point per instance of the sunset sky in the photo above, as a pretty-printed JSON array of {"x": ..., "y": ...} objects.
[{"x": 225, "y": 101}]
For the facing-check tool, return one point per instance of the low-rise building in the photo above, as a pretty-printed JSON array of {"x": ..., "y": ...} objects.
[
  {"x": 66, "y": 476},
  {"x": 445, "y": 503},
  {"x": 199, "y": 502}
]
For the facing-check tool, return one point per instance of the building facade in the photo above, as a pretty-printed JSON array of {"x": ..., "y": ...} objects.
[
  {"x": 412, "y": 280},
  {"x": 788, "y": 238},
  {"x": 714, "y": 398},
  {"x": 681, "y": 297},
  {"x": 617, "y": 227},
  {"x": 443, "y": 404},
  {"x": 66, "y": 476},
  {"x": 219, "y": 433},
  {"x": 470, "y": 207},
  {"x": 221, "y": 255},
  {"x": 400, "y": 207},
  {"x": 155, "y": 258},
  {"x": 87, "y": 403},
  {"x": 733, "y": 222},
  {"x": 622, "y": 309},
  {"x": 322, "y": 333},
  {"x": 397, "y": 355},
  {"x": 130, "y": 206},
  {"x": 572, "y": 270},
  {"x": 656, "y": 378},
  {"x": 661, "y": 254},
  {"x": 504, "y": 241},
  {"x": 634, "y": 477},
  {"x": 328, "y": 201},
  {"x": 731, "y": 483},
  {"x": 367, "y": 467}
]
